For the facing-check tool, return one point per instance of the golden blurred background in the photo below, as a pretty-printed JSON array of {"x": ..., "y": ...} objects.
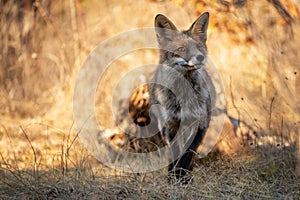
[{"x": 254, "y": 45}]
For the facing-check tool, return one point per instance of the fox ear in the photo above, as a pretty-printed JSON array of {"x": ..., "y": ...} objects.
[
  {"x": 198, "y": 30},
  {"x": 164, "y": 28}
]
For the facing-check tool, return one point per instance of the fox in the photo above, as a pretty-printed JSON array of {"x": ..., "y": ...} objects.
[{"x": 184, "y": 53}]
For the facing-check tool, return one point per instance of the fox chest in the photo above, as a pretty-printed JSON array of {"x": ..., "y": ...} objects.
[{"x": 189, "y": 103}]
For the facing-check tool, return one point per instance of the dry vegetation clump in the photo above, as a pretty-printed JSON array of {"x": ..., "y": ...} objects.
[
  {"x": 254, "y": 45},
  {"x": 36, "y": 58},
  {"x": 251, "y": 176}
]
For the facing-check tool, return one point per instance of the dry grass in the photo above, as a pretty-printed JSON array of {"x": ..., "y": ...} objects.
[
  {"x": 255, "y": 46},
  {"x": 254, "y": 175}
]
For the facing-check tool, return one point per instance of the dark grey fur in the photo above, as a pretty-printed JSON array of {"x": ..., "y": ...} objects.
[{"x": 185, "y": 52}]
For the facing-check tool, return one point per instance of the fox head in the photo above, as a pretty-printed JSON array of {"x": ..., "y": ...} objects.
[{"x": 184, "y": 50}]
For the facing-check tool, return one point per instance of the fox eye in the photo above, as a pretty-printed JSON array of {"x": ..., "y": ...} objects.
[{"x": 181, "y": 49}]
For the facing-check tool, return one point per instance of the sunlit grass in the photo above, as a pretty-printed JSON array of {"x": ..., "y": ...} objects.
[{"x": 255, "y": 49}]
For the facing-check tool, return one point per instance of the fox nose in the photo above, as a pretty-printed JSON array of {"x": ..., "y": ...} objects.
[
  {"x": 196, "y": 60},
  {"x": 200, "y": 57}
]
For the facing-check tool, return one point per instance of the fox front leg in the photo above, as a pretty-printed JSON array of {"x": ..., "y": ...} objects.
[
  {"x": 170, "y": 129},
  {"x": 184, "y": 164}
]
